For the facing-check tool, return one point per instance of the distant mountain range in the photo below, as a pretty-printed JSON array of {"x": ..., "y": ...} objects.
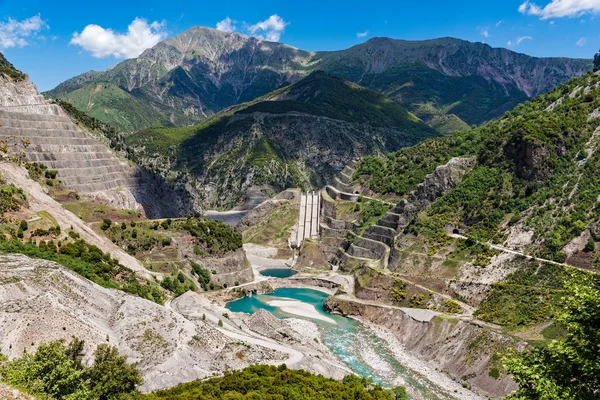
[{"x": 448, "y": 83}]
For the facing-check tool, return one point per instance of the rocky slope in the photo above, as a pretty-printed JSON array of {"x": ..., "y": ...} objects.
[
  {"x": 463, "y": 349},
  {"x": 297, "y": 136},
  {"x": 449, "y": 82},
  {"x": 182, "y": 341}
]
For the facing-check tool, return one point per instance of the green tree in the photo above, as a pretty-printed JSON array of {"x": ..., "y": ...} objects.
[
  {"x": 590, "y": 245},
  {"x": 23, "y": 225},
  {"x": 110, "y": 375},
  {"x": 568, "y": 368},
  {"x": 399, "y": 393},
  {"x": 49, "y": 370},
  {"x": 74, "y": 350}
]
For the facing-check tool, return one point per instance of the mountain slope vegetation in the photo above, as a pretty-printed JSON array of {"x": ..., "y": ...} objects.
[
  {"x": 114, "y": 106},
  {"x": 297, "y": 136},
  {"x": 449, "y": 83},
  {"x": 8, "y": 70},
  {"x": 269, "y": 382},
  {"x": 535, "y": 170}
]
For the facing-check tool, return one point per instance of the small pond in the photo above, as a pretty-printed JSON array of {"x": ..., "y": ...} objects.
[{"x": 278, "y": 272}]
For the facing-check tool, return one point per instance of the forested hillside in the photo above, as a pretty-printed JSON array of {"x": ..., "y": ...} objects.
[
  {"x": 535, "y": 172},
  {"x": 297, "y": 136}
]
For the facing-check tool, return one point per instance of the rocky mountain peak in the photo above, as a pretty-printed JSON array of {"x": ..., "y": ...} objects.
[{"x": 201, "y": 71}]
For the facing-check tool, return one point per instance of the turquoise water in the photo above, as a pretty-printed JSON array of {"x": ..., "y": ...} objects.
[
  {"x": 350, "y": 340},
  {"x": 278, "y": 272}
]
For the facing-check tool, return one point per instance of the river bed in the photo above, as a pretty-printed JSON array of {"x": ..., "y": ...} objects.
[{"x": 356, "y": 344}]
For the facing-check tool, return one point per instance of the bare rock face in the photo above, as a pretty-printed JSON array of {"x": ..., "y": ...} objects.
[
  {"x": 530, "y": 160},
  {"x": 268, "y": 325}
]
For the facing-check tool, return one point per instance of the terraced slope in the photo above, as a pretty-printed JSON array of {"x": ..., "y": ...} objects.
[
  {"x": 42, "y": 132},
  {"x": 374, "y": 245}
]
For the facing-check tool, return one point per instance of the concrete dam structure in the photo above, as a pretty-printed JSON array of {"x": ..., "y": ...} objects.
[
  {"x": 44, "y": 133},
  {"x": 308, "y": 217}
]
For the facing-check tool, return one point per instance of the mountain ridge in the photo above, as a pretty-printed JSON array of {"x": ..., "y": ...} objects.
[{"x": 199, "y": 72}]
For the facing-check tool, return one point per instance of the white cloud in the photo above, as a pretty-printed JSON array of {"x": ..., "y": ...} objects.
[
  {"x": 362, "y": 34},
  {"x": 499, "y": 23},
  {"x": 561, "y": 8},
  {"x": 15, "y": 33},
  {"x": 270, "y": 29},
  {"x": 485, "y": 31},
  {"x": 581, "y": 42},
  {"x": 103, "y": 42},
  {"x": 227, "y": 25},
  {"x": 519, "y": 40}
]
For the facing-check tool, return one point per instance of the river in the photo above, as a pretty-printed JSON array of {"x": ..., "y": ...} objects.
[{"x": 354, "y": 343}]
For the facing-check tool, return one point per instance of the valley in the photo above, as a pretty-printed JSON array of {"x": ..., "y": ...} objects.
[{"x": 224, "y": 215}]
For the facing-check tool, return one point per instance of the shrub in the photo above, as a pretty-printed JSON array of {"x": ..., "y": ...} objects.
[
  {"x": 590, "y": 245},
  {"x": 452, "y": 307},
  {"x": 106, "y": 223},
  {"x": 204, "y": 275},
  {"x": 55, "y": 371},
  {"x": 51, "y": 174}
]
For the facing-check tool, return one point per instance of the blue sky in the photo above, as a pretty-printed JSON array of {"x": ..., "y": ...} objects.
[{"x": 55, "y": 40}]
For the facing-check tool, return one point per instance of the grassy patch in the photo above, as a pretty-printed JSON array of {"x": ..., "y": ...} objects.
[{"x": 273, "y": 228}]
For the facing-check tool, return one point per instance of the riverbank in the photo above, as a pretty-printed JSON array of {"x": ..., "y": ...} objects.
[{"x": 427, "y": 370}]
